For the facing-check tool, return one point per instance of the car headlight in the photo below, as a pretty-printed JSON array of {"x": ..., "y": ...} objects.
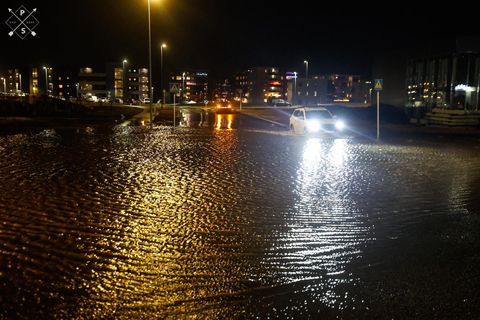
[
  {"x": 313, "y": 126},
  {"x": 340, "y": 125}
]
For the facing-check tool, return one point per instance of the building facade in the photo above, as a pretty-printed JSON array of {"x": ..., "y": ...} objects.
[
  {"x": 329, "y": 88},
  {"x": 224, "y": 91},
  {"x": 315, "y": 90},
  {"x": 14, "y": 81},
  {"x": 451, "y": 81},
  {"x": 193, "y": 85},
  {"x": 137, "y": 84},
  {"x": 260, "y": 85},
  {"x": 114, "y": 84},
  {"x": 91, "y": 84}
]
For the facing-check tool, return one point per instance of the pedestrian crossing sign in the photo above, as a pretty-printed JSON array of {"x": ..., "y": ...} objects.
[
  {"x": 174, "y": 88},
  {"x": 378, "y": 85}
]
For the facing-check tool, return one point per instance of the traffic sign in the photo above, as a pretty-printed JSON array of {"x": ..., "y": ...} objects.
[
  {"x": 378, "y": 85},
  {"x": 174, "y": 88}
]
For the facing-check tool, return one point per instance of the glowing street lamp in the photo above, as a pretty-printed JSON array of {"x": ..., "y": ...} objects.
[
  {"x": 20, "y": 81},
  {"x": 4, "y": 84},
  {"x": 183, "y": 87},
  {"x": 124, "y": 80},
  {"x": 294, "y": 95},
  {"x": 150, "y": 62},
  {"x": 46, "y": 80},
  {"x": 306, "y": 78},
  {"x": 163, "y": 46},
  {"x": 306, "y": 69}
]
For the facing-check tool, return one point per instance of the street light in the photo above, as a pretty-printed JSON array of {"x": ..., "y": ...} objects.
[
  {"x": 150, "y": 62},
  {"x": 306, "y": 79},
  {"x": 306, "y": 70},
  {"x": 46, "y": 80},
  {"x": 4, "y": 85},
  {"x": 161, "y": 73},
  {"x": 20, "y": 81},
  {"x": 294, "y": 95},
  {"x": 183, "y": 87},
  {"x": 124, "y": 93}
]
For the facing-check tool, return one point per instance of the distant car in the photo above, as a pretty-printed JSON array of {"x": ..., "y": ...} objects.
[
  {"x": 314, "y": 120},
  {"x": 280, "y": 103},
  {"x": 146, "y": 100},
  {"x": 91, "y": 98},
  {"x": 224, "y": 106}
]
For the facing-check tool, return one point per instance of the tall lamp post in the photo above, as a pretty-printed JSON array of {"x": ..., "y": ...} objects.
[
  {"x": 4, "y": 85},
  {"x": 306, "y": 79},
  {"x": 124, "y": 81},
  {"x": 306, "y": 70},
  {"x": 20, "y": 82},
  {"x": 183, "y": 87},
  {"x": 294, "y": 95},
  {"x": 161, "y": 73},
  {"x": 46, "y": 80},
  {"x": 150, "y": 62}
]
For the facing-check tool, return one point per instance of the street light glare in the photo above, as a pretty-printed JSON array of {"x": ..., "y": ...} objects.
[{"x": 125, "y": 61}]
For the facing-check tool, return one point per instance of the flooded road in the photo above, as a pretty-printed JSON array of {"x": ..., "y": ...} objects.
[{"x": 228, "y": 222}]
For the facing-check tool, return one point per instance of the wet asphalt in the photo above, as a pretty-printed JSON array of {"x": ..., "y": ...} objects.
[{"x": 231, "y": 218}]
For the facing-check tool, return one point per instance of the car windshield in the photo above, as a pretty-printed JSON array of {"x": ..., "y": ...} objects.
[{"x": 318, "y": 114}]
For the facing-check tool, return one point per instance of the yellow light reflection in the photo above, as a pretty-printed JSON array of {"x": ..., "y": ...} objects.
[{"x": 224, "y": 121}]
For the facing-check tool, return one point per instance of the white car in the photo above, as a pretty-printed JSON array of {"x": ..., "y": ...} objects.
[{"x": 314, "y": 120}]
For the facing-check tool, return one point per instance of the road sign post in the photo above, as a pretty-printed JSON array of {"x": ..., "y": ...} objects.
[{"x": 378, "y": 86}]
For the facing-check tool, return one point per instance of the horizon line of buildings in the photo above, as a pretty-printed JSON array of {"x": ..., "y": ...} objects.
[
  {"x": 258, "y": 85},
  {"x": 445, "y": 81}
]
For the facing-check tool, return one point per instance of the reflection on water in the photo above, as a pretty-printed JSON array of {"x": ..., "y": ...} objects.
[
  {"x": 133, "y": 223},
  {"x": 326, "y": 217},
  {"x": 224, "y": 121},
  {"x": 193, "y": 118}
]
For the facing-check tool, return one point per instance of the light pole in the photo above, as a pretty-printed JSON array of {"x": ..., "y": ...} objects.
[
  {"x": 20, "y": 81},
  {"x": 150, "y": 62},
  {"x": 161, "y": 73},
  {"x": 306, "y": 70},
  {"x": 124, "y": 80},
  {"x": 4, "y": 85},
  {"x": 294, "y": 95},
  {"x": 46, "y": 80},
  {"x": 306, "y": 80},
  {"x": 183, "y": 87}
]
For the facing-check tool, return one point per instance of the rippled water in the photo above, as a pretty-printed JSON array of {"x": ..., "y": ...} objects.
[{"x": 231, "y": 223}]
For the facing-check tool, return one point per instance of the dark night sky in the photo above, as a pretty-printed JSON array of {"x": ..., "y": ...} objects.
[{"x": 224, "y": 36}]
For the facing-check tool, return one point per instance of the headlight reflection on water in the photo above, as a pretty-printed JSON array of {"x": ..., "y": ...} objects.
[{"x": 327, "y": 228}]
